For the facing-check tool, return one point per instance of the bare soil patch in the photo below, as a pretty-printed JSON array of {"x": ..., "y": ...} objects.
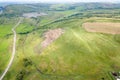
[
  {"x": 102, "y": 27},
  {"x": 51, "y": 36}
]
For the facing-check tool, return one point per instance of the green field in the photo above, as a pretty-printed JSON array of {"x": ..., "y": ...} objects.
[{"x": 75, "y": 55}]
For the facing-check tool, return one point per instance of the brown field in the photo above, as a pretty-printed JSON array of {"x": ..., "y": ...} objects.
[{"x": 102, "y": 27}]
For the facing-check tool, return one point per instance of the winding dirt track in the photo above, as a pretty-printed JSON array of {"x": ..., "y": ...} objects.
[{"x": 13, "y": 50}]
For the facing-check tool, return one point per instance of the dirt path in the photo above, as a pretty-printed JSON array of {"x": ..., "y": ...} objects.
[{"x": 13, "y": 50}]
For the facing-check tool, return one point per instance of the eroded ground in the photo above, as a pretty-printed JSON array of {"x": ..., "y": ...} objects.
[{"x": 50, "y": 36}]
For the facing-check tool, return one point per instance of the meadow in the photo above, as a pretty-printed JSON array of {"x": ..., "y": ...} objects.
[
  {"x": 76, "y": 55},
  {"x": 5, "y": 42},
  {"x": 104, "y": 27}
]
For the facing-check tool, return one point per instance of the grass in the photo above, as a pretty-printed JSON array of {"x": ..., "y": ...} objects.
[
  {"x": 5, "y": 52},
  {"x": 4, "y": 30},
  {"x": 76, "y": 55},
  {"x": 104, "y": 27},
  {"x": 6, "y": 39},
  {"x": 79, "y": 52}
]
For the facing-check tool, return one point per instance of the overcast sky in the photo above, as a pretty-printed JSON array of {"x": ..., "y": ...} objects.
[{"x": 59, "y": 0}]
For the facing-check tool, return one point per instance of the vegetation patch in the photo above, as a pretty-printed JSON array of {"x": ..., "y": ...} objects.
[
  {"x": 75, "y": 55},
  {"x": 104, "y": 27}
]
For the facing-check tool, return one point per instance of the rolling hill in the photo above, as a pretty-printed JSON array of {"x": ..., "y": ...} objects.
[{"x": 71, "y": 52}]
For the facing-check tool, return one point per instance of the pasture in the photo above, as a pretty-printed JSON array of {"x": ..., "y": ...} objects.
[
  {"x": 103, "y": 27},
  {"x": 76, "y": 54}
]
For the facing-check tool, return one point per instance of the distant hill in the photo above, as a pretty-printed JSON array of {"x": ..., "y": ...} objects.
[{"x": 18, "y": 9}]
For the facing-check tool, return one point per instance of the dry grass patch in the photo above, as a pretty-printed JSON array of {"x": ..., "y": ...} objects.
[{"x": 102, "y": 27}]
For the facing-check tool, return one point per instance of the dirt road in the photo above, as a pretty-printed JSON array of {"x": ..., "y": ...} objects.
[{"x": 13, "y": 50}]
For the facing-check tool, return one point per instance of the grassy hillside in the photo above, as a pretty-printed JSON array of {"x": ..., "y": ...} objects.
[
  {"x": 75, "y": 55},
  {"x": 5, "y": 41}
]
